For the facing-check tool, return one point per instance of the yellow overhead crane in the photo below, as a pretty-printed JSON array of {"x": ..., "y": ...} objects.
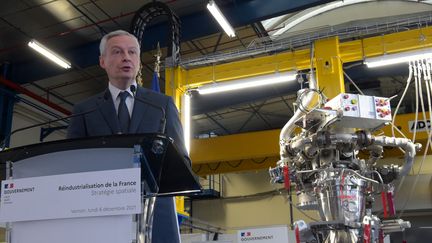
[{"x": 260, "y": 150}]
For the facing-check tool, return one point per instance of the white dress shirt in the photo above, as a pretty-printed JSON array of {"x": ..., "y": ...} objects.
[{"x": 116, "y": 99}]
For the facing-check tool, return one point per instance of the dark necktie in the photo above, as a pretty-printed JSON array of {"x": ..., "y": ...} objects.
[{"x": 123, "y": 112}]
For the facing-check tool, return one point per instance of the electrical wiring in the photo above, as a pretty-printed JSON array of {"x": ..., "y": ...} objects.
[
  {"x": 217, "y": 166},
  {"x": 260, "y": 162},
  {"x": 230, "y": 165},
  {"x": 422, "y": 71},
  {"x": 415, "y": 180},
  {"x": 412, "y": 72},
  {"x": 408, "y": 82},
  {"x": 199, "y": 169},
  {"x": 425, "y": 75},
  {"x": 235, "y": 166},
  {"x": 416, "y": 101},
  {"x": 428, "y": 91},
  {"x": 305, "y": 109},
  {"x": 352, "y": 82}
]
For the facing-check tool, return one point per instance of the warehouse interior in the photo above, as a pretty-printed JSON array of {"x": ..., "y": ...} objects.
[{"x": 234, "y": 136}]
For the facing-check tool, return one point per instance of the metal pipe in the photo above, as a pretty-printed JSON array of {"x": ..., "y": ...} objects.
[
  {"x": 341, "y": 138},
  {"x": 353, "y": 138},
  {"x": 299, "y": 144},
  {"x": 27, "y": 92},
  {"x": 376, "y": 152},
  {"x": 406, "y": 144},
  {"x": 288, "y": 129}
]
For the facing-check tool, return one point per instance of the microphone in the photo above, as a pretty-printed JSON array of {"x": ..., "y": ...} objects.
[
  {"x": 157, "y": 146},
  {"x": 3, "y": 142},
  {"x": 162, "y": 125}
]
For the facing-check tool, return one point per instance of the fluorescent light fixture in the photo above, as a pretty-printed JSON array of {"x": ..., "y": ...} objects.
[
  {"x": 248, "y": 82},
  {"x": 186, "y": 114},
  {"x": 49, "y": 54},
  {"x": 396, "y": 58},
  {"x": 220, "y": 18}
]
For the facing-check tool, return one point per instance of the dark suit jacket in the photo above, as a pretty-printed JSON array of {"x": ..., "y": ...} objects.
[
  {"x": 101, "y": 120},
  {"x": 145, "y": 118}
]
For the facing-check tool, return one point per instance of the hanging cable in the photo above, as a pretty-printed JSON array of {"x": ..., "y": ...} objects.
[
  {"x": 304, "y": 94},
  {"x": 408, "y": 82},
  {"x": 422, "y": 75},
  {"x": 352, "y": 82},
  {"x": 429, "y": 90},
  {"x": 416, "y": 100},
  {"x": 412, "y": 72},
  {"x": 235, "y": 166},
  {"x": 425, "y": 77},
  {"x": 416, "y": 179}
]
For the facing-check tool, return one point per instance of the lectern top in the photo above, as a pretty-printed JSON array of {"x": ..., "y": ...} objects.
[{"x": 171, "y": 169}]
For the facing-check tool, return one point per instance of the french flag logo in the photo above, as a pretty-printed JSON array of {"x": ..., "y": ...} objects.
[
  {"x": 9, "y": 186},
  {"x": 243, "y": 234}
]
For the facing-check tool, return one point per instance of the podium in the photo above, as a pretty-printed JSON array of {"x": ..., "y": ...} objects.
[{"x": 164, "y": 171}]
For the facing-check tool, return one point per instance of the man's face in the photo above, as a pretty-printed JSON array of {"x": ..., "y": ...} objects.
[{"x": 121, "y": 60}]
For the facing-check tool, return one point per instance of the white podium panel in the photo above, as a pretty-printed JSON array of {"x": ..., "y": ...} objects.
[
  {"x": 98, "y": 167},
  {"x": 109, "y": 229},
  {"x": 106, "y": 229},
  {"x": 74, "y": 195}
]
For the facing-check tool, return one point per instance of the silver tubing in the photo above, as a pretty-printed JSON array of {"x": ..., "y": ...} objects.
[
  {"x": 406, "y": 144},
  {"x": 145, "y": 220}
]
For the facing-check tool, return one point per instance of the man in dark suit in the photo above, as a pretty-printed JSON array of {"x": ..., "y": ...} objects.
[{"x": 117, "y": 111}]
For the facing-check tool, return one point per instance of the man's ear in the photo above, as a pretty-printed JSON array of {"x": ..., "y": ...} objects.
[{"x": 101, "y": 62}]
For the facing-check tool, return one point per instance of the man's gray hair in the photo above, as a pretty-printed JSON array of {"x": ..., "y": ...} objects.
[{"x": 112, "y": 34}]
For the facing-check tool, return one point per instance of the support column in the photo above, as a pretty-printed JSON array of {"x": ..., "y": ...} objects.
[
  {"x": 174, "y": 81},
  {"x": 175, "y": 84},
  {"x": 7, "y": 102},
  {"x": 329, "y": 69}
]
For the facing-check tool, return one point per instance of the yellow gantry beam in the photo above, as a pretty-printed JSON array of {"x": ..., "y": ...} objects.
[
  {"x": 260, "y": 150},
  {"x": 219, "y": 151},
  {"x": 350, "y": 51},
  {"x": 329, "y": 72},
  {"x": 235, "y": 147}
]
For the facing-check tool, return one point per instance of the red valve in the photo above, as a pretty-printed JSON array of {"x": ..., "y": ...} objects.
[
  {"x": 297, "y": 234},
  {"x": 390, "y": 202},
  {"x": 381, "y": 236},
  {"x": 367, "y": 233},
  {"x": 287, "y": 182},
  {"x": 384, "y": 204}
]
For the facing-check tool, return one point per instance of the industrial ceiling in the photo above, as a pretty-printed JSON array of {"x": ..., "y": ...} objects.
[{"x": 74, "y": 27}]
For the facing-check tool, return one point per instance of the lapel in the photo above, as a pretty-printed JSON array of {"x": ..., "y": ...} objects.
[
  {"x": 139, "y": 110},
  {"x": 108, "y": 111}
]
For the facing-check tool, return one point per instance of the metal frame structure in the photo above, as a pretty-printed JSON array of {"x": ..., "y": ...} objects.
[
  {"x": 149, "y": 12},
  {"x": 215, "y": 155}
]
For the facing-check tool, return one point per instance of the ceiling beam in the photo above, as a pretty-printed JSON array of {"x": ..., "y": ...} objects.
[
  {"x": 265, "y": 144},
  {"x": 240, "y": 13}
]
